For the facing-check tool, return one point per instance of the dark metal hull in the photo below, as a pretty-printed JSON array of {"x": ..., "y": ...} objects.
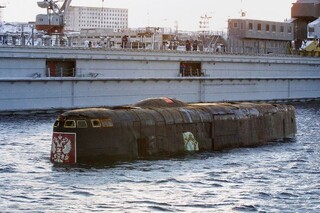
[{"x": 146, "y": 131}]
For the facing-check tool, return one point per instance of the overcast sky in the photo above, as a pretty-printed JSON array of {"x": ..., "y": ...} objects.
[{"x": 164, "y": 13}]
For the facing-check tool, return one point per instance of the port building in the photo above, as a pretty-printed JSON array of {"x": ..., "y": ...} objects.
[
  {"x": 78, "y": 18},
  {"x": 259, "y": 37}
]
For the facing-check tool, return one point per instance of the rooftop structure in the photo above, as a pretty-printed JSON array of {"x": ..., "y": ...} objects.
[
  {"x": 309, "y": 9},
  {"x": 304, "y": 12}
]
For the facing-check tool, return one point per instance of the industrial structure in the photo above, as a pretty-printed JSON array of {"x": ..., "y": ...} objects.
[
  {"x": 304, "y": 12},
  {"x": 53, "y": 21},
  {"x": 53, "y": 76}
]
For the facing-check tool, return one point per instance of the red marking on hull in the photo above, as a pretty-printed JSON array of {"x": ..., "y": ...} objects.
[{"x": 63, "y": 148}]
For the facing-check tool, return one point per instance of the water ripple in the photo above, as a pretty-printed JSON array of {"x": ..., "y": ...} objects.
[{"x": 277, "y": 177}]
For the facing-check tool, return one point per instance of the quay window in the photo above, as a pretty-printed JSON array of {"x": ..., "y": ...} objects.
[
  {"x": 190, "y": 69},
  {"x": 60, "y": 68}
]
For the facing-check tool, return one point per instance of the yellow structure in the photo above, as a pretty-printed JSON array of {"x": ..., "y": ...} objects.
[{"x": 311, "y": 48}]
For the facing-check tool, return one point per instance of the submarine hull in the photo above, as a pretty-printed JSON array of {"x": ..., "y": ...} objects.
[{"x": 165, "y": 127}]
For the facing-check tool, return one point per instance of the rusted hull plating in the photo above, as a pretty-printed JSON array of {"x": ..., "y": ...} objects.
[{"x": 146, "y": 131}]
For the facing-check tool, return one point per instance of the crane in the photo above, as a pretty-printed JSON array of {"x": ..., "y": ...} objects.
[{"x": 52, "y": 22}]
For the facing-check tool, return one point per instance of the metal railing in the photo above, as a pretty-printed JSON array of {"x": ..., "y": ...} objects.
[{"x": 62, "y": 72}]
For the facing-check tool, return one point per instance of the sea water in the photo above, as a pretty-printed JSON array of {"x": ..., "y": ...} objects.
[{"x": 277, "y": 177}]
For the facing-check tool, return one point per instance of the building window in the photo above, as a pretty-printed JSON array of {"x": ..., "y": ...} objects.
[
  {"x": 290, "y": 29},
  {"x": 250, "y": 26},
  {"x": 281, "y": 29},
  {"x": 259, "y": 27},
  {"x": 267, "y": 27},
  {"x": 274, "y": 28}
]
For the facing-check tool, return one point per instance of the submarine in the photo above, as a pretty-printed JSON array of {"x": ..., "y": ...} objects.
[{"x": 158, "y": 127}]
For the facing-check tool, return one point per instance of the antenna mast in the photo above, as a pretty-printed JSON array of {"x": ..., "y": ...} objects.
[
  {"x": 204, "y": 23},
  {"x": 242, "y": 12}
]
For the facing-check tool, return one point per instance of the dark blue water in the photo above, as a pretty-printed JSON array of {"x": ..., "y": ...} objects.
[{"x": 278, "y": 177}]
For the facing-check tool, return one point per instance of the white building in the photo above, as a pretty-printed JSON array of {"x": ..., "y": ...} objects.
[
  {"x": 78, "y": 18},
  {"x": 314, "y": 29}
]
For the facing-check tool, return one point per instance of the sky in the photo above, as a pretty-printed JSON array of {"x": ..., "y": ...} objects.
[{"x": 167, "y": 13}]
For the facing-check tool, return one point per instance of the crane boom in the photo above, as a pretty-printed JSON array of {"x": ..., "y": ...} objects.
[{"x": 65, "y": 5}]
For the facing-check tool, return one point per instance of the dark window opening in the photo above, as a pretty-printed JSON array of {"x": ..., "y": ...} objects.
[
  {"x": 259, "y": 27},
  {"x": 95, "y": 123},
  {"x": 61, "y": 68},
  {"x": 56, "y": 123},
  {"x": 281, "y": 29},
  {"x": 267, "y": 27},
  {"x": 70, "y": 124},
  {"x": 190, "y": 69},
  {"x": 250, "y": 26},
  {"x": 311, "y": 29}
]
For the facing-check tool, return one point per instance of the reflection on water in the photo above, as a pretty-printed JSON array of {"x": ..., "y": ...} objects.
[{"x": 277, "y": 177}]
